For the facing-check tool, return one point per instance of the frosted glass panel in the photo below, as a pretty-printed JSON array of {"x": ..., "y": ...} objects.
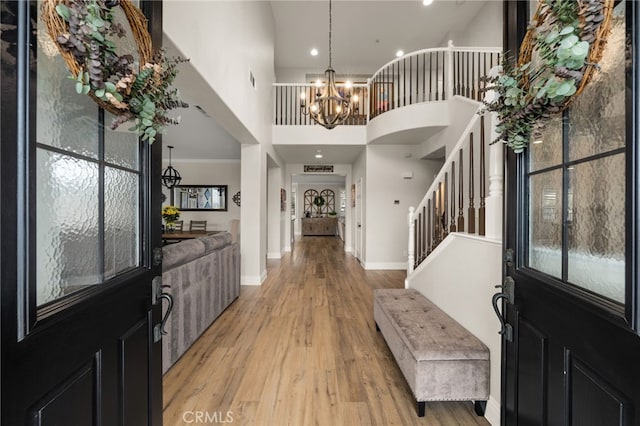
[
  {"x": 120, "y": 145},
  {"x": 120, "y": 221},
  {"x": 64, "y": 119},
  {"x": 67, "y": 254},
  {"x": 546, "y": 148},
  {"x": 597, "y": 117},
  {"x": 596, "y": 231},
  {"x": 545, "y": 222}
]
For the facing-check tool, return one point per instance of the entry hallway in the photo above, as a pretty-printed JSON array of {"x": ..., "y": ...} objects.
[{"x": 301, "y": 349}]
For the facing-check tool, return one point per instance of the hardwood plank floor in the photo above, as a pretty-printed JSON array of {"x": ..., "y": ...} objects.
[{"x": 301, "y": 349}]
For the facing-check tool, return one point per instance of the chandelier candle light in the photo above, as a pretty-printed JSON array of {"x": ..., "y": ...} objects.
[
  {"x": 328, "y": 108},
  {"x": 170, "y": 176}
]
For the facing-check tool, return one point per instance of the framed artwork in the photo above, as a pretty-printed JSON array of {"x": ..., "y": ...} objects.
[
  {"x": 353, "y": 195},
  {"x": 283, "y": 199}
]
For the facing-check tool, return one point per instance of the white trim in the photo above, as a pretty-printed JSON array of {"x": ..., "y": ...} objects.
[
  {"x": 274, "y": 255},
  {"x": 252, "y": 280},
  {"x": 287, "y": 249},
  {"x": 385, "y": 265},
  {"x": 492, "y": 413},
  {"x": 348, "y": 250}
]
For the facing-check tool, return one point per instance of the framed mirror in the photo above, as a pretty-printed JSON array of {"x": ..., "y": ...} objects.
[{"x": 200, "y": 197}]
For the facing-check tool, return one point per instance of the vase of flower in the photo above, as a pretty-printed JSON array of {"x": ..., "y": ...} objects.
[{"x": 170, "y": 214}]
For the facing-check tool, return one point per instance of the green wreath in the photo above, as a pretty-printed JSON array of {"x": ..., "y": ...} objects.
[
  {"x": 85, "y": 33},
  {"x": 558, "y": 56}
]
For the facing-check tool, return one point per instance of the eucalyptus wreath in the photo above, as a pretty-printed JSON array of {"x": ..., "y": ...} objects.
[
  {"x": 142, "y": 94},
  {"x": 558, "y": 55}
]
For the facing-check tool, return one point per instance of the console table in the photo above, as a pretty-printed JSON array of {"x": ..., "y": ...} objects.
[{"x": 319, "y": 225}]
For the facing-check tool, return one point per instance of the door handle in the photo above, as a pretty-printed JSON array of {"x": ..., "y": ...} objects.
[
  {"x": 169, "y": 299},
  {"x": 506, "y": 329},
  {"x": 159, "y": 329}
]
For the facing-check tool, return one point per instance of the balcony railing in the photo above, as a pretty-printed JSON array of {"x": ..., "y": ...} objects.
[{"x": 428, "y": 75}]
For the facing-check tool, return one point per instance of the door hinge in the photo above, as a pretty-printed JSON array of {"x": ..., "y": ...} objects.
[
  {"x": 157, "y": 333},
  {"x": 156, "y": 289},
  {"x": 157, "y": 256}
]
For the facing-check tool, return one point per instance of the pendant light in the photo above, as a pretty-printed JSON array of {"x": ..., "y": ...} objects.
[{"x": 170, "y": 176}]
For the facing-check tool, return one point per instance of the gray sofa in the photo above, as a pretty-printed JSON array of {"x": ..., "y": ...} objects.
[{"x": 203, "y": 276}]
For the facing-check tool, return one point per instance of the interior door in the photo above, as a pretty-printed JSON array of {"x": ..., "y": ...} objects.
[
  {"x": 358, "y": 214},
  {"x": 78, "y": 232},
  {"x": 572, "y": 218}
]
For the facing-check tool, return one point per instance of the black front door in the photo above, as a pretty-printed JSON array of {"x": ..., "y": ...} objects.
[
  {"x": 77, "y": 236},
  {"x": 572, "y": 223}
]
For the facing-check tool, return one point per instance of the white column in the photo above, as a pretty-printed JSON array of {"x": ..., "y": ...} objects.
[
  {"x": 449, "y": 75},
  {"x": 494, "y": 200},
  {"x": 253, "y": 215},
  {"x": 411, "y": 250}
]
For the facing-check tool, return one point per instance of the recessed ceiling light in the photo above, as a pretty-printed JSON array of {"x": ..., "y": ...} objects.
[
  {"x": 399, "y": 53},
  {"x": 314, "y": 52},
  {"x": 318, "y": 155},
  {"x": 427, "y": 2}
]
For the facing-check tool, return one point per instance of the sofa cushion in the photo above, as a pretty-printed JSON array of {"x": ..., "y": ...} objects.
[
  {"x": 174, "y": 255},
  {"x": 215, "y": 241}
]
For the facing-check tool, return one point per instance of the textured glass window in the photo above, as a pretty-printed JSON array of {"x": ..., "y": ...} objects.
[
  {"x": 68, "y": 243},
  {"x": 577, "y": 187},
  {"x": 87, "y": 185},
  {"x": 596, "y": 231},
  {"x": 545, "y": 222}
]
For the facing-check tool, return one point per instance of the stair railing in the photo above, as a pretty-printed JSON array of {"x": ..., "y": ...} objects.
[{"x": 442, "y": 210}]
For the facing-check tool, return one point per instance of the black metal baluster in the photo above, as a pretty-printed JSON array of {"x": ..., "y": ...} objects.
[
  {"x": 410, "y": 80},
  {"x": 404, "y": 81},
  {"x": 444, "y": 76},
  {"x": 430, "y": 75},
  {"x": 437, "y": 74}
]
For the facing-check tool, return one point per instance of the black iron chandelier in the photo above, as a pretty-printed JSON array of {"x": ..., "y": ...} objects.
[
  {"x": 328, "y": 108},
  {"x": 170, "y": 176}
]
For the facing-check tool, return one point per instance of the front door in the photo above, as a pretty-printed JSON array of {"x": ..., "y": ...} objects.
[
  {"x": 572, "y": 218},
  {"x": 77, "y": 237}
]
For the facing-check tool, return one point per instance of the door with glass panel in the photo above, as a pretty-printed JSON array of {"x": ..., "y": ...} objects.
[
  {"x": 573, "y": 355},
  {"x": 78, "y": 310}
]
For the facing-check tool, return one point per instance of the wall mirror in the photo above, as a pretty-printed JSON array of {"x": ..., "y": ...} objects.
[{"x": 200, "y": 197}]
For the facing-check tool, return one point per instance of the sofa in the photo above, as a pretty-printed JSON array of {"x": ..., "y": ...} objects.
[{"x": 203, "y": 277}]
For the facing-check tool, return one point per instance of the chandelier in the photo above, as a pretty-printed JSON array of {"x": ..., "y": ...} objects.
[
  {"x": 170, "y": 176},
  {"x": 328, "y": 108}
]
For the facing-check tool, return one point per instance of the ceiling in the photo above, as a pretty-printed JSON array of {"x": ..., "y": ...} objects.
[{"x": 366, "y": 35}]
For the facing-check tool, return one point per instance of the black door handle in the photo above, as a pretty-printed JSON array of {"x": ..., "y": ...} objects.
[
  {"x": 169, "y": 299},
  {"x": 506, "y": 329}
]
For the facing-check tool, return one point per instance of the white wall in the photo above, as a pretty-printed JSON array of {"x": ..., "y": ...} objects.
[
  {"x": 204, "y": 32},
  {"x": 465, "y": 294},
  {"x": 484, "y": 30},
  {"x": 386, "y": 222},
  {"x": 209, "y": 172},
  {"x": 461, "y": 110}
]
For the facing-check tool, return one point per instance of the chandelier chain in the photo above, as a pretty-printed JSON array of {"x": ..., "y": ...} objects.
[{"x": 329, "y": 33}]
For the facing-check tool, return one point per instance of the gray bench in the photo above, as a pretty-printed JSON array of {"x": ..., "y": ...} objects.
[{"x": 439, "y": 358}]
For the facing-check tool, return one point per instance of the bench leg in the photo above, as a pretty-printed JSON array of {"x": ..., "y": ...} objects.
[
  {"x": 377, "y": 328},
  {"x": 480, "y": 407},
  {"x": 420, "y": 408}
]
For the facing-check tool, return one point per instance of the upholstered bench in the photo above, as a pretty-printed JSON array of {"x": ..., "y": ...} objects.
[{"x": 439, "y": 358}]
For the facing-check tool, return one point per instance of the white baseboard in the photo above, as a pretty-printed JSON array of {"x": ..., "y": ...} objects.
[
  {"x": 253, "y": 279},
  {"x": 492, "y": 414},
  {"x": 348, "y": 249},
  {"x": 287, "y": 249},
  {"x": 384, "y": 265},
  {"x": 274, "y": 255}
]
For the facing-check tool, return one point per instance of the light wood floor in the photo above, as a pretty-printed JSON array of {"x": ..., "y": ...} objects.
[{"x": 301, "y": 349}]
